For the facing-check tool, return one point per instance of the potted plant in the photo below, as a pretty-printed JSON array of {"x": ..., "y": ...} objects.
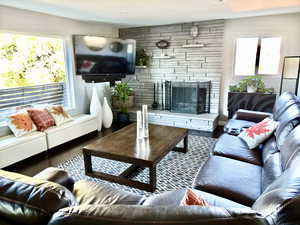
[
  {"x": 251, "y": 84},
  {"x": 142, "y": 58},
  {"x": 235, "y": 88},
  {"x": 122, "y": 99}
]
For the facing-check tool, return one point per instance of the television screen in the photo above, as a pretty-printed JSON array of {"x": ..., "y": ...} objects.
[{"x": 100, "y": 55}]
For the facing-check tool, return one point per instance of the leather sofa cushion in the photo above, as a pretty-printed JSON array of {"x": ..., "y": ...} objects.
[
  {"x": 271, "y": 170},
  {"x": 31, "y": 201},
  {"x": 268, "y": 149},
  {"x": 145, "y": 215},
  {"x": 91, "y": 193},
  {"x": 56, "y": 175},
  {"x": 173, "y": 198},
  {"x": 284, "y": 130},
  {"x": 271, "y": 162},
  {"x": 290, "y": 112},
  {"x": 235, "y": 148},
  {"x": 283, "y": 102},
  {"x": 281, "y": 200},
  {"x": 291, "y": 148},
  {"x": 231, "y": 179}
]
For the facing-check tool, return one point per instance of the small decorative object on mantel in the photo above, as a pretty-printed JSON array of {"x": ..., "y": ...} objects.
[
  {"x": 142, "y": 58},
  {"x": 251, "y": 84},
  {"x": 162, "y": 44},
  {"x": 194, "y": 31}
]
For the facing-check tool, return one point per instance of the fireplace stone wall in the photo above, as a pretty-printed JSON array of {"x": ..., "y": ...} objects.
[{"x": 188, "y": 64}]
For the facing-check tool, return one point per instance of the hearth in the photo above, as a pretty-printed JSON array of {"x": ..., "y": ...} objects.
[{"x": 187, "y": 97}]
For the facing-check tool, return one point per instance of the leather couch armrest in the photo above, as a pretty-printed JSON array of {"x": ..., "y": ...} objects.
[
  {"x": 56, "y": 175},
  {"x": 143, "y": 215},
  {"x": 249, "y": 115}
]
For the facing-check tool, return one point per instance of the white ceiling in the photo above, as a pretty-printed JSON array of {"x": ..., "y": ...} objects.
[{"x": 155, "y": 12}]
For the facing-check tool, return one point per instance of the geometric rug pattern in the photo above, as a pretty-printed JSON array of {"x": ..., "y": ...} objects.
[{"x": 176, "y": 170}]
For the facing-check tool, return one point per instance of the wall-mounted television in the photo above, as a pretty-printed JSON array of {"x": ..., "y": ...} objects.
[{"x": 102, "y": 56}]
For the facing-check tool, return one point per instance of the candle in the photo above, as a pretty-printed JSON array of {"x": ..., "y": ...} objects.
[
  {"x": 145, "y": 121},
  {"x": 139, "y": 127}
]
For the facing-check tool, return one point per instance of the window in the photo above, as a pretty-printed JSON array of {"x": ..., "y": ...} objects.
[
  {"x": 32, "y": 71},
  {"x": 246, "y": 50},
  {"x": 257, "y": 56},
  {"x": 269, "y": 56}
]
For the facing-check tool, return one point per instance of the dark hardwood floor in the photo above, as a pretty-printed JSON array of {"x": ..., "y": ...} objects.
[{"x": 60, "y": 154}]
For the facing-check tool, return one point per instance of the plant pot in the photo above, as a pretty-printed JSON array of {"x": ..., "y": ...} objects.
[
  {"x": 123, "y": 118},
  {"x": 118, "y": 104},
  {"x": 251, "y": 89}
]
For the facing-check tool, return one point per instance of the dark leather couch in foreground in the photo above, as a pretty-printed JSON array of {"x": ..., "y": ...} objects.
[{"x": 241, "y": 186}]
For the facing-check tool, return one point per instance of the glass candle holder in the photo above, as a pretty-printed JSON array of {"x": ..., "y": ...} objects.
[
  {"x": 139, "y": 126},
  {"x": 145, "y": 121}
]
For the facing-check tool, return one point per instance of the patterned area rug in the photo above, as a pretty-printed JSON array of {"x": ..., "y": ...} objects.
[{"x": 176, "y": 170}]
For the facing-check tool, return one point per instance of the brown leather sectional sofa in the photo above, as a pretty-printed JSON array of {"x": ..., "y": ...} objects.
[{"x": 241, "y": 186}]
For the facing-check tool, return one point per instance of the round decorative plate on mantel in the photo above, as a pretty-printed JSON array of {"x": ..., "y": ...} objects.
[{"x": 162, "y": 44}]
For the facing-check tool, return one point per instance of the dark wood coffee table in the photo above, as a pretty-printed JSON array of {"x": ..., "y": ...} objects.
[{"x": 122, "y": 146}]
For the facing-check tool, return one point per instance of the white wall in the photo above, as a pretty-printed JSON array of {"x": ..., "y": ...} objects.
[
  {"x": 29, "y": 22},
  {"x": 286, "y": 26}
]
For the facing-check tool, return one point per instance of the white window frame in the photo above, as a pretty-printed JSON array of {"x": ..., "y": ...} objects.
[
  {"x": 259, "y": 43},
  {"x": 69, "y": 68}
]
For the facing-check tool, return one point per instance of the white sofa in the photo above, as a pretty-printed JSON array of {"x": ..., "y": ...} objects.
[
  {"x": 81, "y": 125},
  {"x": 14, "y": 149}
]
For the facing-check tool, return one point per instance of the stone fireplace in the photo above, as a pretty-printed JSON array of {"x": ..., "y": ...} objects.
[
  {"x": 185, "y": 68},
  {"x": 187, "y": 97}
]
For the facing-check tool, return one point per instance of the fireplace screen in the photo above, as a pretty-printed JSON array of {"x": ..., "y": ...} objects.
[{"x": 187, "y": 97}]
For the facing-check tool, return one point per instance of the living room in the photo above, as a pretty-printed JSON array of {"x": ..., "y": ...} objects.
[{"x": 157, "y": 113}]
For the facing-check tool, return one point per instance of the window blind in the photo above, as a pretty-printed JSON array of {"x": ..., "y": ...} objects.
[{"x": 12, "y": 98}]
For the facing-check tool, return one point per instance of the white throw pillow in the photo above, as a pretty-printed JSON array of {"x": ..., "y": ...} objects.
[
  {"x": 59, "y": 114},
  {"x": 20, "y": 123},
  {"x": 258, "y": 133}
]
